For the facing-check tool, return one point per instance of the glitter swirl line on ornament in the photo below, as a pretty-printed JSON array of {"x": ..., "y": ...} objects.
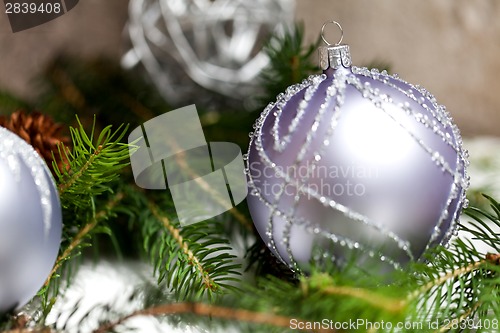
[
  {"x": 403, "y": 245},
  {"x": 418, "y": 116},
  {"x": 413, "y": 124},
  {"x": 352, "y": 245},
  {"x": 443, "y": 117},
  {"x": 258, "y": 126},
  {"x": 322, "y": 110},
  {"x": 459, "y": 180},
  {"x": 459, "y": 163},
  {"x": 337, "y": 88},
  {"x": 425, "y": 95},
  {"x": 281, "y": 100},
  {"x": 312, "y": 81},
  {"x": 334, "y": 90},
  {"x": 373, "y": 96},
  {"x": 307, "y": 143},
  {"x": 458, "y": 147},
  {"x": 435, "y": 156},
  {"x": 337, "y": 239},
  {"x": 253, "y": 189},
  {"x": 418, "y": 141},
  {"x": 281, "y": 144},
  {"x": 439, "y": 112},
  {"x": 453, "y": 195}
]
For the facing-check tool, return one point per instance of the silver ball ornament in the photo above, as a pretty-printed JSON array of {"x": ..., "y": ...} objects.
[
  {"x": 30, "y": 221},
  {"x": 355, "y": 163}
]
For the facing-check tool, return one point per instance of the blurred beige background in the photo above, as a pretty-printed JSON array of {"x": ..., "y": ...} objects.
[{"x": 451, "y": 47}]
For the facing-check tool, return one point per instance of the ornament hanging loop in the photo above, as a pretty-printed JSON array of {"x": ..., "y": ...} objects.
[
  {"x": 323, "y": 32},
  {"x": 334, "y": 55}
]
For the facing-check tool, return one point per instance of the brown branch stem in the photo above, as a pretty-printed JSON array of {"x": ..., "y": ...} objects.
[
  {"x": 63, "y": 187},
  {"x": 451, "y": 275},
  {"x": 29, "y": 330},
  {"x": 206, "y": 310},
  {"x": 77, "y": 240},
  {"x": 489, "y": 258},
  {"x": 459, "y": 320},
  {"x": 379, "y": 301}
]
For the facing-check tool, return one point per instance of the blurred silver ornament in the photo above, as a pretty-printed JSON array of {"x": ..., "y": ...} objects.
[
  {"x": 30, "y": 221},
  {"x": 355, "y": 163},
  {"x": 216, "y": 44}
]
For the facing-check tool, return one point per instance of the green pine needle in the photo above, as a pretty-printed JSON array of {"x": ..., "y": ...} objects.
[
  {"x": 92, "y": 165},
  {"x": 194, "y": 261}
]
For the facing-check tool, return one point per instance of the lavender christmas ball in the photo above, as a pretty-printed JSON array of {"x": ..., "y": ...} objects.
[
  {"x": 30, "y": 222},
  {"x": 355, "y": 163}
]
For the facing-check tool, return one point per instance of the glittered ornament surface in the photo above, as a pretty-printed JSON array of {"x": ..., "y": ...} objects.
[
  {"x": 355, "y": 162},
  {"x": 30, "y": 221}
]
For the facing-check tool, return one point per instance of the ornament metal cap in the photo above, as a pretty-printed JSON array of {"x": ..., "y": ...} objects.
[{"x": 336, "y": 55}]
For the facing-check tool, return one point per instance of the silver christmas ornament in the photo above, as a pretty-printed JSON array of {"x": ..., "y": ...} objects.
[
  {"x": 216, "y": 44},
  {"x": 30, "y": 221},
  {"x": 355, "y": 163}
]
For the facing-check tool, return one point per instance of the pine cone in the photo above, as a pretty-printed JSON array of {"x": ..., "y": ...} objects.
[{"x": 40, "y": 131}]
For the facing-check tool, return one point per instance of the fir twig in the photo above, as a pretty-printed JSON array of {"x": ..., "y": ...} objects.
[
  {"x": 87, "y": 172},
  {"x": 30, "y": 330},
  {"x": 84, "y": 232},
  {"x": 92, "y": 164},
  {"x": 460, "y": 319},
  {"x": 208, "y": 283},
  {"x": 456, "y": 283},
  {"x": 206, "y": 310},
  {"x": 447, "y": 277},
  {"x": 290, "y": 62},
  {"x": 368, "y": 296},
  {"x": 195, "y": 260}
]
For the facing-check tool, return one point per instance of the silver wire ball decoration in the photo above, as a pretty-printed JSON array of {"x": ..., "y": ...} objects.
[
  {"x": 216, "y": 44},
  {"x": 355, "y": 164}
]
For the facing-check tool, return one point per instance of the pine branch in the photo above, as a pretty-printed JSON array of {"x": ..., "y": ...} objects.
[
  {"x": 91, "y": 165},
  {"x": 368, "y": 296},
  {"x": 423, "y": 293},
  {"x": 290, "y": 62},
  {"x": 206, "y": 310},
  {"x": 77, "y": 241},
  {"x": 30, "y": 330},
  {"x": 207, "y": 282},
  {"x": 457, "y": 283},
  {"x": 88, "y": 175},
  {"x": 195, "y": 261},
  {"x": 445, "y": 278},
  {"x": 479, "y": 229},
  {"x": 460, "y": 319}
]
